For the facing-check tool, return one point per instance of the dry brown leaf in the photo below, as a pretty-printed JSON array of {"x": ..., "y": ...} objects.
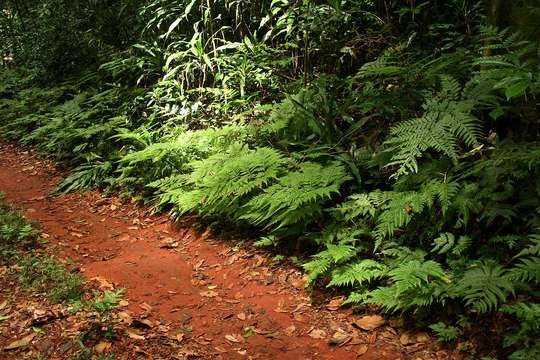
[
  {"x": 25, "y": 341},
  {"x": 422, "y": 338},
  {"x": 133, "y": 335},
  {"x": 145, "y": 307},
  {"x": 340, "y": 337},
  {"x": 3, "y": 305},
  {"x": 370, "y": 322},
  {"x": 407, "y": 338},
  {"x": 143, "y": 323},
  {"x": 220, "y": 349},
  {"x": 290, "y": 330},
  {"x": 241, "y": 316},
  {"x": 279, "y": 308},
  {"x": 209, "y": 294},
  {"x": 168, "y": 243},
  {"x": 317, "y": 334},
  {"x": 123, "y": 303},
  {"x": 235, "y": 338},
  {"x": 123, "y": 237},
  {"x": 397, "y": 322},
  {"x": 179, "y": 337},
  {"x": 103, "y": 283},
  {"x": 125, "y": 317},
  {"x": 335, "y": 303},
  {"x": 362, "y": 349},
  {"x": 102, "y": 347}
]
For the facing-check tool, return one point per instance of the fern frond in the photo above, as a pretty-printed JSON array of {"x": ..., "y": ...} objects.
[
  {"x": 443, "y": 126},
  {"x": 358, "y": 273},
  {"x": 484, "y": 287},
  {"x": 296, "y": 196},
  {"x": 527, "y": 270},
  {"x": 334, "y": 254}
]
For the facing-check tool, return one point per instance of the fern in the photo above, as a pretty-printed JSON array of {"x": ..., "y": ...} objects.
[
  {"x": 415, "y": 284},
  {"x": 444, "y": 332},
  {"x": 221, "y": 180},
  {"x": 484, "y": 287},
  {"x": 525, "y": 339},
  {"x": 443, "y": 126},
  {"x": 528, "y": 267},
  {"x": 296, "y": 197},
  {"x": 334, "y": 254},
  {"x": 358, "y": 273},
  {"x": 446, "y": 242}
]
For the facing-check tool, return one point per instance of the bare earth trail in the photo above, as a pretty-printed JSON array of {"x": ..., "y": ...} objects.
[{"x": 207, "y": 287}]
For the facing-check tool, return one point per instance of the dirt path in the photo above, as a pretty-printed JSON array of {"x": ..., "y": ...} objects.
[{"x": 207, "y": 287}]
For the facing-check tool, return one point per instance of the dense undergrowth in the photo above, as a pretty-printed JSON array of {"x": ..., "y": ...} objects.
[{"x": 395, "y": 142}]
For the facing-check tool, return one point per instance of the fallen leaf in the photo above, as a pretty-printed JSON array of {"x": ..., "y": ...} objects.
[
  {"x": 125, "y": 317},
  {"x": 407, "y": 338},
  {"x": 3, "y": 305},
  {"x": 143, "y": 323},
  {"x": 279, "y": 308},
  {"x": 134, "y": 335},
  {"x": 145, "y": 307},
  {"x": 25, "y": 341},
  {"x": 220, "y": 349},
  {"x": 335, "y": 303},
  {"x": 102, "y": 347},
  {"x": 123, "y": 237},
  {"x": 168, "y": 243},
  {"x": 235, "y": 338},
  {"x": 209, "y": 293},
  {"x": 422, "y": 337},
  {"x": 179, "y": 337},
  {"x": 241, "y": 316},
  {"x": 317, "y": 334},
  {"x": 123, "y": 303},
  {"x": 290, "y": 330},
  {"x": 397, "y": 322},
  {"x": 370, "y": 322},
  {"x": 103, "y": 283},
  {"x": 362, "y": 349},
  {"x": 339, "y": 338}
]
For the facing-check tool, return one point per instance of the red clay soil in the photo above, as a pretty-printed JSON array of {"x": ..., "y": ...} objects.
[{"x": 207, "y": 287}]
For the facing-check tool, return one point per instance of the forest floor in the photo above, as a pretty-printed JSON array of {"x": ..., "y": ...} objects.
[{"x": 187, "y": 294}]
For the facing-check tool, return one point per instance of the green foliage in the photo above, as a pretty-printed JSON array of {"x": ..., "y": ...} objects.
[
  {"x": 48, "y": 276},
  {"x": 296, "y": 197},
  {"x": 444, "y": 332},
  {"x": 528, "y": 330},
  {"x": 447, "y": 121},
  {"x": 484, "y": 287},
  {"x": 108, "y": 301},
  {"x": 15, "y": 231},
  {"x": 364, "y": 271},
  {"x": 223, "y": 180}
]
